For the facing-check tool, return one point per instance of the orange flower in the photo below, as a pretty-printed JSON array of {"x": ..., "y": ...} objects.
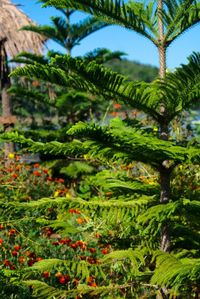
[
  {"x": 27, "y": 253},
  {"x": 97, "y": 235},
  {"x": 117, "y": 106},
  {"x": 92, "y": 284},
  {"x": 80, "y": 220},
  {"x": 21, "y": 259},
  {"x": 58, "y": 274},
  {"x": 18, "y": 167},
  {"x": 114, "y": 113},
  {"x": 35, "y": 83},
  {"x": 75, "y": 211},
  {"x": 14, "y": 175}
]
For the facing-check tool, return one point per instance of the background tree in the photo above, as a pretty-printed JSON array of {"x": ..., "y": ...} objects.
[
  {"x": 13, "y": 41},
  {"x": 161, "y": 23},
  {"x": 139, "y": 210}
]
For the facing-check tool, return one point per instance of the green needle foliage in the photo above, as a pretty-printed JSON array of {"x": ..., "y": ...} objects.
[{"x": 154, "y": 234}]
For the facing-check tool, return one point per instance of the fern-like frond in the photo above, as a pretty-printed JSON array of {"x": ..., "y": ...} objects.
[
  {"x": 136, "y": 16},
  {"x": 173, "y": 212},
  {"x": 181, "y": 88},
  {"x": 48, "y": 31},
  {"x": 180, "y": 16},
  {"x": 102, "y": 55},
  {"x": 65, "y": 34},
  {"x": 115, "y": 139},
  {"x": 28, "y": 94},
  {"x": 29, "y": 58},
  {"x": 135, "y": 256},
  {"x": 177, "y": 274},
  {"x": 176, "y": 92},
  {"x": 42, "y": 290},
  {"x": 54, "y": 147}
]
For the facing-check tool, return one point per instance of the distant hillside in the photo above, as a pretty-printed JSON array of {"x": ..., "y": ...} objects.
[{"x": 134, "y": 70}]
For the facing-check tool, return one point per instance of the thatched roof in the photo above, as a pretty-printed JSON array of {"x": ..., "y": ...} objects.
[{"x": 11, "y": 20}]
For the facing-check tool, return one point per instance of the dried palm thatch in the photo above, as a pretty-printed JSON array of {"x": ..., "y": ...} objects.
[
  {"x": 13, "y": 41},
  {"x": 11, "y": 20}
]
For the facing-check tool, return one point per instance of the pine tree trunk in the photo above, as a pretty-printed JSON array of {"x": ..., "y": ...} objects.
[
  {"x": 7, "y": 112},
  {"x": 164, "y": 171},
  {"x": 162, "y": 61}
]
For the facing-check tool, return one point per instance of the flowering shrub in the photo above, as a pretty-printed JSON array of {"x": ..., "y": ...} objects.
[
  {"x": 19, "y": 181},
  {"x": 19, "y": 252}
]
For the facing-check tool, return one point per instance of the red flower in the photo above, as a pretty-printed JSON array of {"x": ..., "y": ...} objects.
[
  {"x": 17, "y": 247},
  {"x": 36, "y": 165},
  {"x": 45, "y": 171},
  {"x": 67, "y": 278},
  {"x": 61, "y": 180},
  {"x": 31, "y": 262},
  {"x": 50, "y": 179},
  {"x": 39, "y": 259},
  {"x": 82, "y": 257},
  {"x": 14, "y": 175},
  {"x": 1, "y": 242},
  {"x": 92, "y": 250},
  {"x": 56, "y": 243},
  {"x": 36, "y": 173},
  {"x": 6, "y": 262},
  {"x": 104, "y": 251},
  {"x": 91, "y": 260},
  {"x": 14, "y": 253},
  {"x": 12, "y": 232},
  {"x": 62, "y": 279},
  {"x": 46, "y": 274},
  {"x": 74, "y": 245},
  {"x": 48, "y": 231},
  {"x": 30, "y": 254},
  {"x": 65, "y": 241}
]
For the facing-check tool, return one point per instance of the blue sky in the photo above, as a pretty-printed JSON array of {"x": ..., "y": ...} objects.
[{"x": 117, "y": 38}]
